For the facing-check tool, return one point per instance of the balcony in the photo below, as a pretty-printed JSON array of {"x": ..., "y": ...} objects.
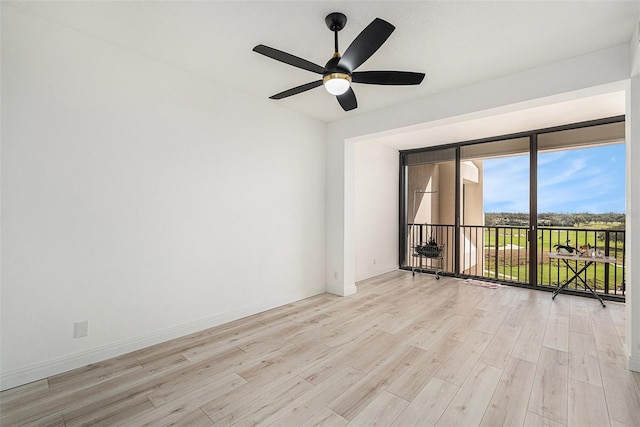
[{"x": 502, "y": 254}]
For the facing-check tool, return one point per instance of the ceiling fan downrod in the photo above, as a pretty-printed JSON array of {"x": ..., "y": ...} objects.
[{"x": 336, "y": 22}]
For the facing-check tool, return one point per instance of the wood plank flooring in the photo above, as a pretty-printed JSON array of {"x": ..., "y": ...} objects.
[{"x": 403, "y": 351}]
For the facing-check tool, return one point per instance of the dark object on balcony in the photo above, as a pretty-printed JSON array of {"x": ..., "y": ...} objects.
[
  {"x": 564, "y": 249},
  {"x": 429, "y": 251},
  {"x": 432, "y": 252}
]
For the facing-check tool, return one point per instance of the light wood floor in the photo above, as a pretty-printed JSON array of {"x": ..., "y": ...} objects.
[{"x": 403, "y": 351}]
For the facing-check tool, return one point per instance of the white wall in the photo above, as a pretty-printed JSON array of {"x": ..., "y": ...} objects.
[
  {"x": 376, "y": 209},
  {"x": 632, "y": 318},
  {"x": 144, "y": 199},
  {"x": 340, "y": 211}
]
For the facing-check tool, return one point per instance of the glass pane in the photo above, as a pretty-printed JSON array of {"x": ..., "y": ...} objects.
[
  {"x": 508, "y": 147},
  {"x": 581, "y": 207},
  {"x": 612, "y": 133},
  {"x": 429, "y": 157},
  {"x": 494, "y": 210},
  {"x": 430, "y": 196}
]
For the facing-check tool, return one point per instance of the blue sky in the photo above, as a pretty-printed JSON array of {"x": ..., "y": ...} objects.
[{"x": 581, "y": 180}]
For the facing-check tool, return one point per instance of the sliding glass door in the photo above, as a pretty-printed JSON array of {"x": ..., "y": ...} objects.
[
  {"x": 500, "y": 205},
  {"x": 494, "y": 210},
  {"x": 581, "y": 205},
  {"x": 429, "y": 186}
]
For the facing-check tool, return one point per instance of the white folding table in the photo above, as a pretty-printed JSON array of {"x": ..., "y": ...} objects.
[{"x": 588, "y": 260}]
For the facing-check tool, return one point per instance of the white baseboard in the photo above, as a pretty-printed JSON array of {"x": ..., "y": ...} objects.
[
  {"x": 340, "y": 290},
  {"x": 350, "y": 291},
  {"x": 633, "y": 362},
  {"x": 376, "y": 272},
  {"x": 39, "y": 371}
]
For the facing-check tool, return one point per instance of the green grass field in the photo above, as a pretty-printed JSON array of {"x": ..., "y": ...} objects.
[{"x": 512, "y": 247}]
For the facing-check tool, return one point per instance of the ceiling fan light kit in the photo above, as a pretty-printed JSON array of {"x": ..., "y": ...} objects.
[
  {"x": 339, "y": 72},
  {"x": 337, "y": 83}
]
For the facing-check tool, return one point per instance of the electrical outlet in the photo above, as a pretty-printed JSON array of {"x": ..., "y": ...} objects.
[
  {"x": 81, "y": 329},
  {"x": 374, "y": 261},
  {"x": 335, "y": 275}
]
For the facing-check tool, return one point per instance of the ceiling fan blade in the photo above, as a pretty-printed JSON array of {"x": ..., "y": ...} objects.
[
  {"x": 387, "y": 77},
  {"x": 366, "y": 44},
  {"x": 296, "y": 90},
  {"x": 348, "y": 100},
  {"x": 287, "y": 58}
]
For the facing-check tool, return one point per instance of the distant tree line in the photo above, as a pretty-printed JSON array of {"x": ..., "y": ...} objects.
[{"x": 612, "y": 220}]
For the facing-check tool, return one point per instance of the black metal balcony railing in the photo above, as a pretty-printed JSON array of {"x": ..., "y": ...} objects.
[{"x": 501, "y": 253}]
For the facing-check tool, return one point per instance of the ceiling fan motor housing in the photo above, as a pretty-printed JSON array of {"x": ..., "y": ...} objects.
[{"x": 331, "y": 67}]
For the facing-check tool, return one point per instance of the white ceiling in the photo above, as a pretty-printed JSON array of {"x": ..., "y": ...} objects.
[{"x": 456, "y": 43}]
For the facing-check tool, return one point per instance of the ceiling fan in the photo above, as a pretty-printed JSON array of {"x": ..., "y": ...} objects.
[{"x": 340, "y": 71}]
